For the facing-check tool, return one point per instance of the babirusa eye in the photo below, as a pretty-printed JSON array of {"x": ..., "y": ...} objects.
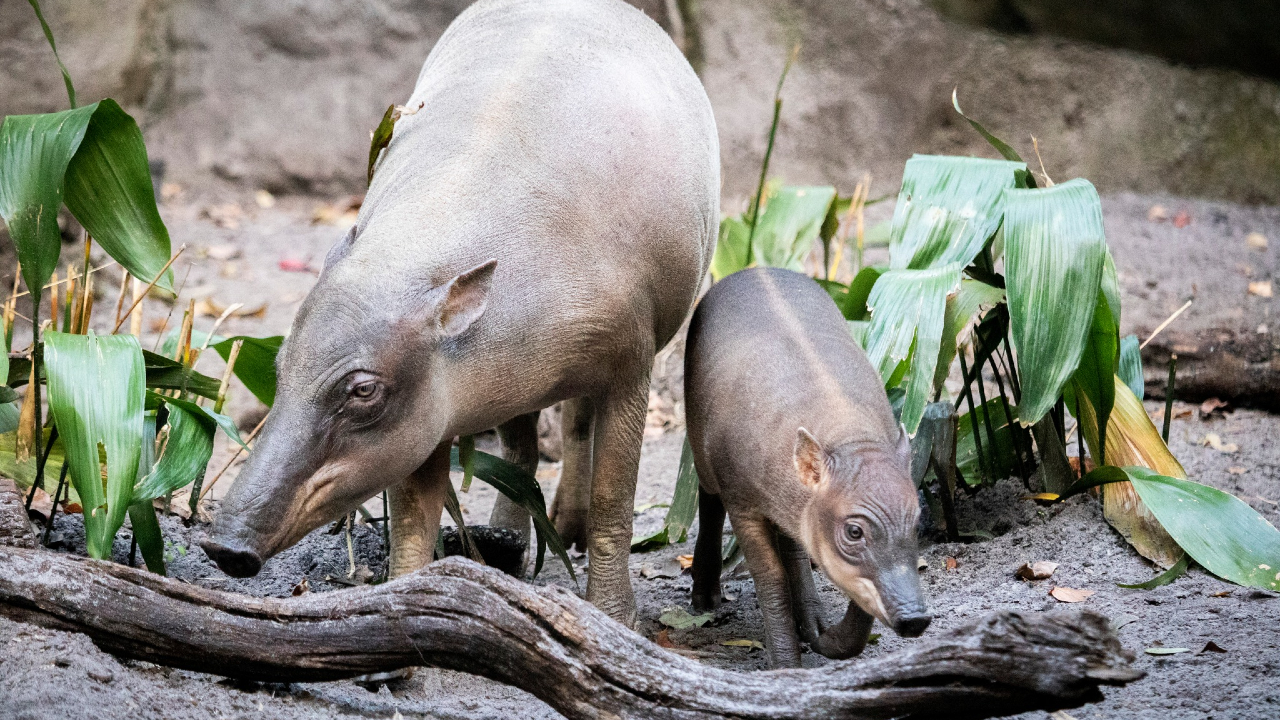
[
  {"x": 853, "y": 531},
  {"x": 364, "y": 390}
]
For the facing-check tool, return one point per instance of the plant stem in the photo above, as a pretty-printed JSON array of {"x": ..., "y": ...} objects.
[
  {"x": 768, "y": 152},
  {"x": 1015, "y": 432},
  {"x": 1168, "y": 396},
  {"x": 986, "y": 415},
  {"x": 1079, "y": 437},
  {"x": 973, "y": 420},
  {"x": 48, "y": 523}
]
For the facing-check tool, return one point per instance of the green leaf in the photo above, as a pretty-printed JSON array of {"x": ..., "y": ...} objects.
[
  {"x": 381, "y": 137},
  {"x": 1095, "y": 376},
  {"x": 185, "y": 455},
  {"x": 789, "y": 224},
  {"x": 684, "y": 504},
  {"x": 997, "y": 457},
  {"x": 1130, "y": 369},
  {"x": 1054, "y": 255},
  {"x": 48, "y": 35},
  {"x": 169, "y": 345},
  {"x": 731, "y": 248},
  {"x": 947, "y": 209},
  {"x": 1178, "y": 570},
  {"x": 168, "y": 374},
  {"x": 973, "y": 298},
  {"x": 34, "y": 153},
  {"x": 678, "y": 618},
  {"x": 146, "y": 530},
  {"x": 855, "y": 303},
  {"x": 8, "y": 417},
  {"x": 96, "y": 396},
  {"x": 256, "y": 365},
  {"x": 1218, "y": 530},
  {"x": 24, "y": 473},
  {"x": 1005, "y": 150},
  {"x": 466, "y": 455},
  {"x": 205, "y": 416},
  {"x": 908, "y": 309},
  {"x": 523, "y": 489},
  {"x": 92, "y": 159},
  {"x": 109, "y": 190}
]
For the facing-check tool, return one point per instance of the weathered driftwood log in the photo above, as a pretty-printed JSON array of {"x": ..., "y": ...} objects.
[
  {"x": 1239, "y": 367},
  {"x": 457, "y": 614}
]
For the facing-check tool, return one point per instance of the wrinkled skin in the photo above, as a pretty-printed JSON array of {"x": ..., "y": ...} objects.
[
  {"x": 793, "y": 437},
  {"x": 533, "y": 234}
]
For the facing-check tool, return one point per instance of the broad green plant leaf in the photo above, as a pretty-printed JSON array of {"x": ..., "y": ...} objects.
[
  {"x": 1098, "y": 366},
  {"x": 211, "y": 420},
  {"x": 1130, "y": 370},
  {"x": 142, "y": 513},
  {"x": 1132, "y": 439},
  {"x": 24, "y": 473},
  {"x": 684, "y": 504},
  {"x": 185, "y": 455},
  {"x": 947, "y": 209},
  {"x": 973, "y": 298},
  {"x": 1054, "y": 255},
  {"x": 908, "y": 309},
  {"x": 731, "y": 248},
  {"x": 1007, "y": 152},
  {"x": 1218, "y": 530},
  {"x": 790, "y": 222},
  {"x": 256, "y": 365},
  {"x": 162, "y": 374},
  {"x": 1178, "y": 570},
  {"x": 523, "y": 489},
  {"x": 96, "y": 396},
  {"x": 93, "y": 160}
]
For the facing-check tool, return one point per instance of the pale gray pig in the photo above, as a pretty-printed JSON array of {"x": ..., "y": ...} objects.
[{"x": 533, "y": 234}]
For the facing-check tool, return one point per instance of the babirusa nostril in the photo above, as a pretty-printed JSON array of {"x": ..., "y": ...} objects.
[
  {"x": 236, "y": 562},
  {"x": 912, "y": 625}
]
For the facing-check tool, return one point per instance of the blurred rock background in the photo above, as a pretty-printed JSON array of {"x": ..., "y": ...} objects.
[{"x": 1153, "y": 96}]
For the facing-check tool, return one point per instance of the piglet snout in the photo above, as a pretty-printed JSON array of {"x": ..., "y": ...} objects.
[
  {"x": 912, "y": 625},
  {"x": 234, "y": 560}
]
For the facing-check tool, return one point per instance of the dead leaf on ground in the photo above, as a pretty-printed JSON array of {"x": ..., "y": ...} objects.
[
  {"x": 41, "y": 506},
  {"x": 1042, "y": 497},
  {"x": 686, "y": 561},
  {"x": 222, "y": 252},
  {"x": 663, "y": 639},
  {"x": 170, "y": 191},
  {"x": 72, "y": 508},
  {"x": 1165, "y": 651},
  {"x": 1074, "y": 462},
  {"x": 229, "y": 270},
  {"x": 743, "y": 642},
  {"x": 303, "y": 586},
  {"x": 952, "y": 564},
  {"x": 1041, "y": 570},
  {"x": 209, "y": 308},
  {"x": 265, "y": 199},
  {"x": 1208, "y": 407},
  {"x": 667, "y": 569},
  {"x": 1221, "y": 593},
  {"x": 288, "y": 264},
  {"x": 226, "y": 215},
  {"x": 1262, "y": 288},
  {"x": 1182, "y": 219},
  {"x": 1211, "y": 646},
  {"x": 341, "y": 212},
  {"x": 1214, "y": 441},
  {"x": 1061, "y": 715},
  {"x": 1158, "y": 213},
  {"x": 1070, "y": 595},
  {"x": 1237, "y": 470},
  {"x": 680, "y": 619},
  {"x": 1256, "y": 240}
]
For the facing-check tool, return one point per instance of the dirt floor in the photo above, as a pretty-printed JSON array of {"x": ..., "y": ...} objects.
[{"x": 46, "y": 674}]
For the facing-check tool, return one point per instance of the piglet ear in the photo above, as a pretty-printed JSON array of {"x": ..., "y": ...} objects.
[
  {"x": 810, "y": 458},
  {"x": 904, "y": 445},
  {"x": 464, "y": 298}
]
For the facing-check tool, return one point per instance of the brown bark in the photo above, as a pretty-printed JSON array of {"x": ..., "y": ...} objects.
[{"x": 459, "y": 615}]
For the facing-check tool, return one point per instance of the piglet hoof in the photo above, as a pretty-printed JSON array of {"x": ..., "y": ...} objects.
[{"x": 706, "y": 601}]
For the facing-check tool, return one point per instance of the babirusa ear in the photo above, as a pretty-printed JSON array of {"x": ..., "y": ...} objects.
[
  {"x": 810, "y": 458},
  {"x": 904, "y": 445},
  {"x": 465, "y": 298}
]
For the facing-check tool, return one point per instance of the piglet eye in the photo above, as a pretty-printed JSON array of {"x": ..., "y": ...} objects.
[
  {"x": 364, "y": 390},
  {"x": 853, "y": 532}
]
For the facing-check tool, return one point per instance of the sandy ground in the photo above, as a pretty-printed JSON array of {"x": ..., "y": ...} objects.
[{"x": 47, "y": 674}]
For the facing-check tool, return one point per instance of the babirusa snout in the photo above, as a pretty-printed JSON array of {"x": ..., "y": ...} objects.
[{"x": 903, "y": 602}]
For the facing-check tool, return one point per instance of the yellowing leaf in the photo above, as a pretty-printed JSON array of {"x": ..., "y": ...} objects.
[{"x": 1070, "y": 595}]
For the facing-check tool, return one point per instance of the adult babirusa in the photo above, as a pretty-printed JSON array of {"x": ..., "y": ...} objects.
[{"x": 534, "y": 234}]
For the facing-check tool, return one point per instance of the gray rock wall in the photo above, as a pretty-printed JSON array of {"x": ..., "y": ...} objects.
[{"x": 282, "y": 94}]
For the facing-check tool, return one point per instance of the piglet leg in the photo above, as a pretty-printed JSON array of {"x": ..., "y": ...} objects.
[
  {"x": 707, "y": 562},
  {"x": 804, "y": 595},
  {"x": 848, "y": 637},
  {"x": 755, "y": 535}
]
